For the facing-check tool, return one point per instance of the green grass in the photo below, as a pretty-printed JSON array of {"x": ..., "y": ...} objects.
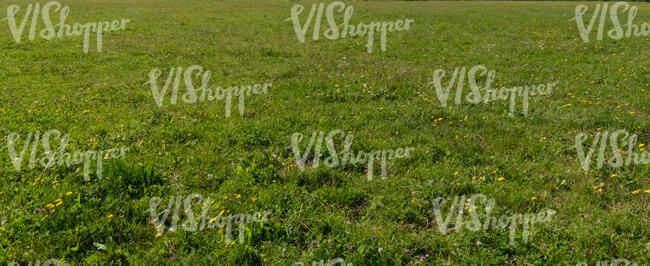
[{"x": 101, "y": 100}]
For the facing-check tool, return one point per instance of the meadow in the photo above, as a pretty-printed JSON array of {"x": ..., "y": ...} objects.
[{"x": 244, "y": 162}]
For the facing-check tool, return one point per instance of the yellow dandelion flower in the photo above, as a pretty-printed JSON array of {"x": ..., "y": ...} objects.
[
  {"x": 213, "y": 219},
  {"x": 68, "y": 193},
  {"x": 613, "y": 175},
  {"x": 501, "y": 179},
  {"x": 456, "y": 173},
  {"x": 533, "y": 198},
  {"x": 646, "y": 191},
  {"x": 237, "y": 196},
  {"x": 110, "y": 216},
  {"x": 600, "y": 190},
  {"x": 158, "y": 234},
  {"x": 636, "y": 191},
  {"x": 221, "y": 213},
  {"x": 253, "y": 199}
]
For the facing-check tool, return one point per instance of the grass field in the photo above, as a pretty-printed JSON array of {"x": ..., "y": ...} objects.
[{"x": 245, "y": 163}]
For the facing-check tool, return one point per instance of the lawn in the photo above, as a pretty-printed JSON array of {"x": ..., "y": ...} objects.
[{"x": 217, "y": 160}]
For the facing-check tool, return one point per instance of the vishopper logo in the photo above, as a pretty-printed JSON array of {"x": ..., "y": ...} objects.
[
  {"x": 460, "y": 204},
  {"x": 192, "y": 94},
  {"x": 52, "y": 158},
  {"x": 474, "y": 96},
  {"x": 50, "y": 32},
  {"x": 617, "y": 140},
  {"x": 191, "y": 224},
  {"x": 346, "y": 157},
  {"x": 617, "y": 32},
  {"x": 334, "y": 32}
]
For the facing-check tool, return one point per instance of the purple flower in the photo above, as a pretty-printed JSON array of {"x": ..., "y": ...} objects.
[
  {"x": 173, "y": 258},
  {"x": 351, "y": 246},
  {"x": 430, "y": 182},
  {"x": 423, "y": 258},
  {"x": 373, "y": 237},
  {"x": 544, "y": 245},
  {"x": 314, "y": 243},
  {"x": 406, "y": 251}
]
